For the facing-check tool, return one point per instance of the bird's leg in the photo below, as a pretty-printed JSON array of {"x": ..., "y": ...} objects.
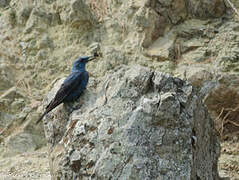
[
  {"x": 70, "y": 106},
  {"x": 78, "y": 106}
]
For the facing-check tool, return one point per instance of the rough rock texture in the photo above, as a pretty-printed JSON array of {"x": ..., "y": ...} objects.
[
  {"x": 205, "y": 9},
  {"x": 195, "y": 40},
  {"x": 4, "y": 3},
  {"x": 226, "y": 55},
  {"x": 223, "y": 103},
  {"x": 137, "y": 124},
  {"x": 26, "y": 166}
]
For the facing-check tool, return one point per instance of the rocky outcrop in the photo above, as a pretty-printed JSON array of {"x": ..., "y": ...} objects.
[
  {"x": 195, "y": 40},
  {"x": 135, "y": 123}
]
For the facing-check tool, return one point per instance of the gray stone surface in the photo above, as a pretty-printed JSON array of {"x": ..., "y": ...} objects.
[
  {"x": 4, "y": 3},
  {"x": 205, "y": 8},
  {"x": 134, "y": 123},
  {"x": 40, "y": 19},
  {"x": 24, "y": 13},
  {"x": 124, "y": 31},
  {"x": 11, "y": 101},
  {"x": 20, "y": 143},
  {"x": 226, "y": 55},
  {"x": 6, "y": 76},
  {"x": 76, "y": 13}
]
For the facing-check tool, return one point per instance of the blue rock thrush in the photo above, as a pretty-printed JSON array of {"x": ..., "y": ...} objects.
[{"x": 73, "y": 85}]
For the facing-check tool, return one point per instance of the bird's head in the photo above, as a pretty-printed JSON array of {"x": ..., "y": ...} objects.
[{"x": 80, "y": 63}]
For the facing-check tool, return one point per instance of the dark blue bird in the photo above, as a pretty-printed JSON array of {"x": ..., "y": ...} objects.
[{"x": 73, "y": 85}]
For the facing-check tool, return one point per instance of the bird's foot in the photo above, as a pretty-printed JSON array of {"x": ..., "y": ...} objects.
[
  {"x": 77, "y": 107},
  {"x": 70, "y": 107}
]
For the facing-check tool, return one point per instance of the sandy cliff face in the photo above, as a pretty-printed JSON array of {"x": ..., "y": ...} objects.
[{"x": 195, "y": 40}]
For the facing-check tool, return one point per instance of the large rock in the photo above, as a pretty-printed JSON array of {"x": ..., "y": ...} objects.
[{"x": 133, "y": 124}]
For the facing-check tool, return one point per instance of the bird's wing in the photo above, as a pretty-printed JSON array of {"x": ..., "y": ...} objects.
[{"x": 69, "y": 85}]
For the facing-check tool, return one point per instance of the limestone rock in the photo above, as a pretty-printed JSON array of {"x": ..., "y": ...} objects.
[
  {"x": 11, "y": 17},
  {"x": 192, "y": 44},
  {"x": 42, "y": 55},
  {"x": 18, "y": 132},
  {"x": 124, "y": 29},
  {"x": 76, "y": 13},
  {"x": 184, "y": 41},
  {"x": 19, "y": 143},
  {"x": 142, "y": 22},
  {"x": 12, "y": 101},
  {"x": 24, "y": 14},
  {"x": 235, "y": 3},
  {"x": 5, "y": 118},
  {"x": 197, "y": 75},
  {"x": 205, "y": 8},
  {"x": 4, "y": 3},
  {"x": 45, "y": 42},
  {"x": 6, "y": 77},
  {"x": 112, "y": 59},
  {"x": 191, "y": 28},
  {"x": 148, "y": 21},
  {"x": 162, "y": 48},
  {"x": 134, "y": 124},
  {"x": 158, "y": 16},
  {"x": 40, "y": 20},
  {"x": 198, "y": 55},
  {"x": 226, "y": 55}
]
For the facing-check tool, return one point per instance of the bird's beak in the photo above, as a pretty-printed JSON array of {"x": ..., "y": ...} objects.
[{"x": 93, "y": 57}]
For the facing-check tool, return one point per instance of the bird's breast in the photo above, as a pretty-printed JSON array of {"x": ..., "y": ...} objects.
[{"x": 75, "y": 94}]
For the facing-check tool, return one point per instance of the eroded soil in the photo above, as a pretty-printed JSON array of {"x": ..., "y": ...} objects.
[
  {"x": 229, "y": 160},
  {"x": 26, "y": 166}
]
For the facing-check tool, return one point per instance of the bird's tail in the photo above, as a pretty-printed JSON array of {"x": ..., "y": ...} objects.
[{"x": 41, "y": 117}]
